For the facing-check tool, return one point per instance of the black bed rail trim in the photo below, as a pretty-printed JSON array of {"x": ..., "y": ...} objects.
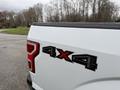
[{"x": 81, "y": 25}]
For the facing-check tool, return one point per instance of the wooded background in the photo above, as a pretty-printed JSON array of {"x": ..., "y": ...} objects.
[{"x": 62, "y": 11}]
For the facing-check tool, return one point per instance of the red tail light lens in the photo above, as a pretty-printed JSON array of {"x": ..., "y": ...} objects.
[{"x": 32, "y": 51}]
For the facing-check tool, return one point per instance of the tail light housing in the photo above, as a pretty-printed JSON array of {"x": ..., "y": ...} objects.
[{"x": 33, "y": 49}]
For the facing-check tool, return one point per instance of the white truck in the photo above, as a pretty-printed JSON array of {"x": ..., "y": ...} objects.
[{"x": 74, "y": 56}]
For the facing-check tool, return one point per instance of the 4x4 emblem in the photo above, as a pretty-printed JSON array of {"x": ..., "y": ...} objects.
[{"x": 89, "y": 61}]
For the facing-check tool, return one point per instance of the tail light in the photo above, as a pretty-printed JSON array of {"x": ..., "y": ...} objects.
[{"x": 32, "y": 51}]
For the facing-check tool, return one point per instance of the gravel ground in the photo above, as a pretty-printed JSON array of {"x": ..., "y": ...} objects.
[{"x": 13, "y": 64}]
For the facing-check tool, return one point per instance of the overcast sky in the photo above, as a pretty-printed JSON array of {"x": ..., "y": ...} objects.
[{"x": 17, "y": 5}]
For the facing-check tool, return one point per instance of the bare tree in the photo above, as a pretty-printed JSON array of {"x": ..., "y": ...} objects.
[
  {"x": 107, "y": 11},
  {"x": 39, "y": 12}
]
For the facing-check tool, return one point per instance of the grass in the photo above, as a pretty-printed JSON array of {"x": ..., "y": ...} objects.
[{"x": 17, "y": 31}]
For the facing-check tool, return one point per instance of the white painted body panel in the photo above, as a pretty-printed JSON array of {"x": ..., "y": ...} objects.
[
  {"x": 104, "y": 85},
  {"x": 56, "y": 74}
]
